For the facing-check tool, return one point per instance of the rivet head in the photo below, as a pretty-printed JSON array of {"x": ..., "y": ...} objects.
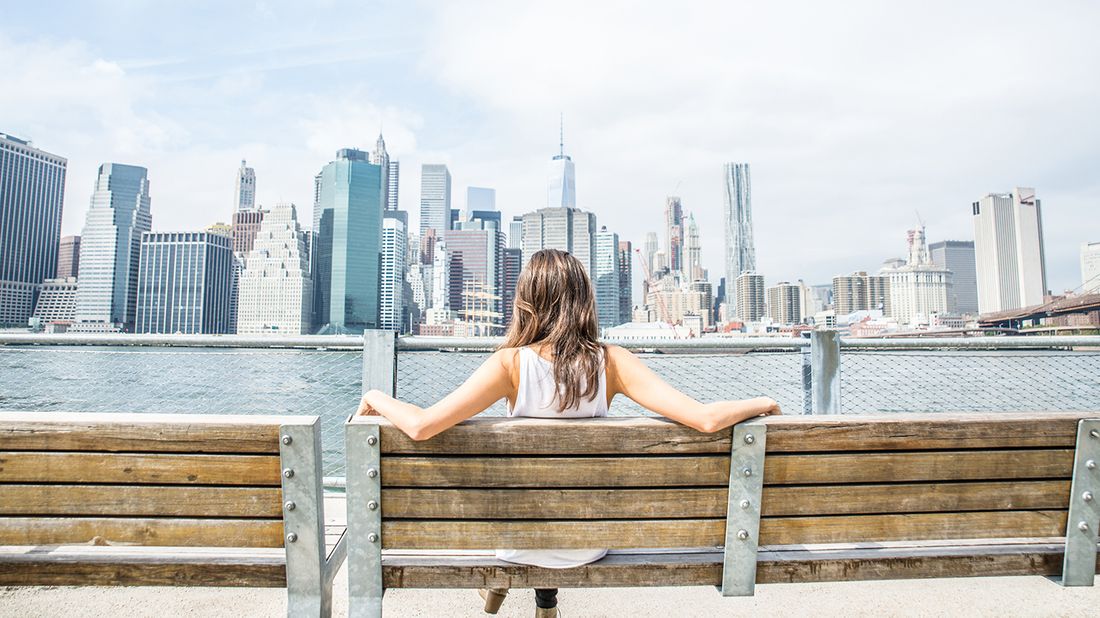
[
  {"x": 372, "y": 505},
  {"x": 289, "y": 505},
  {"x": 372, "y": 473},
  {"x": 743, "y": 535},
  {"x": 1090, "y": 464},
  {"x": 288, "y": 473},
  {"x": 1083, "y": 526},
  {"x": 372, "y": 537},
  {"x": 371, "y": 440},
  {"x": 1094, "y": 434},
  {"x": 292, "y": 537},
  {"x": 749, "y": 439},
  {"x": 747, "y": 471},
  {"x": 744, "y": 504},
  {"x": 287, "y": 439},
  {"x": 1087, "y": 496}
]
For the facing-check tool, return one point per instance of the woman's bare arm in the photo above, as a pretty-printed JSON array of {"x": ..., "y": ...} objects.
[
  {"x": 489, "y": 383},
  {"x": 630, "y": 376}
]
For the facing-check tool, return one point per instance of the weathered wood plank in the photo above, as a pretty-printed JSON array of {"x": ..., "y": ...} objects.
[
  {"x": 554, "y": 503},
  {"x": 183, "y": 433},
  {"x": 113, "y": 566},
  {"x": 786, "y": 434},
  {"x": 141, "y": 500},
  {"x": 945, "y": 431},
  {"x": 699, "y": 569},
  {"x": 572, "y": 534},
  {"x": 913, "y": 527},
  {"x": 640, "y": 533},
  {"x": 155, "y": 468},
  {"x": 914, "y": 498},
  {"x": 837, "y": 468},
  {"x": 534, "y": 436},
  {"x": 696, "y": 502},
  {"x": 141, "y": 531},
  {"x": 555, "y": 471}
]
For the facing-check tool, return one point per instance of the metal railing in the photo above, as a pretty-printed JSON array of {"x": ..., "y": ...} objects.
[{"x": 325, "y": 375}]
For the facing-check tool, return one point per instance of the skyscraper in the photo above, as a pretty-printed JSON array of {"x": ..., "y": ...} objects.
[
  {"x": 1008, "y": 247},
  {"x": 349, "y": 244},
  {"x": 276, "y": 291},
  {"x": 435, "y": 198},
  {"x": 957, "y": 256},
  {"x": 111, "y": 248},
  {"x": 391, "y": 171},
  {"x": 32, "y": 190},
  {"x": 184, "y": 281},
  {"x": 785, "y": 303},
  {"x": 480, "y": 198},
  {"x": 246, "y": 188},
  {"x": 1090, "y": 267},
  {"x": 674, "y": 232},
  {"x": 475, "y": 277},
  {"x": 740, "y": 251},
  {"x": 562, "y": 186},
  {"x": 861, "y": 292},
  {"x": 392, "y": 301},
  {"x": 567, "y": 229},
  {"x": 243, "y": 229},
  {"x": 650, "y": 249},
  {"x": 626, "y": 282},
  {"x": 513, "y": 263},
  {"x": 693, "y": 252},
  {"x": 750, "y": 296},
  {"x": 68, "y": 257},
  {"x": 605, "y": 278},
  {"x": 919, "y": 288},
  {"x": 515, "y": 233}
]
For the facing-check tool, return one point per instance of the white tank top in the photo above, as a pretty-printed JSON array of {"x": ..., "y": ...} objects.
[{"x": 535, "y": 397}]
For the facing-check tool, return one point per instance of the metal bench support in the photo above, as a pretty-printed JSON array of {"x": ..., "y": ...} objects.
[
  {"x": 309, "y": 592},
  {"x": 363, "y": 448},
  {"x": 1079, "y": 567},
  {"x": 743, "y": 511}
]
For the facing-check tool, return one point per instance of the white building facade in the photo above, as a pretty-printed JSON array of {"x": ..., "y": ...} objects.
[
  {"x": 1090, "y": 267},
  {"x": 919, "y": 289},
  {"x": 275, "y": 290},
  {"x": 1008, "y": 247},
  {"x": 391, "y": 306}
]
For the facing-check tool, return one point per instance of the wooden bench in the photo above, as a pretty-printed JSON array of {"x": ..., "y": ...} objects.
[
  {"x": 165, "y": 500},
  {"x": 781, "y": 499}
]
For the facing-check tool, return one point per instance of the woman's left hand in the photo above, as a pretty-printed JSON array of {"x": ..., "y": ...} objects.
[{"x": 365, "y": 409}]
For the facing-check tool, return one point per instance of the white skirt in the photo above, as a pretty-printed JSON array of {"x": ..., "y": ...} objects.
[{"x": 551, "y": 558}]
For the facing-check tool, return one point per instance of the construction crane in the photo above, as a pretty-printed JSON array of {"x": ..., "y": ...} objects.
[{"x": 651, "y": 284}]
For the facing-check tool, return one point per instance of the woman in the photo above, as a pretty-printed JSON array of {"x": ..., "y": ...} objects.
[{"x": 552, "y": 365}]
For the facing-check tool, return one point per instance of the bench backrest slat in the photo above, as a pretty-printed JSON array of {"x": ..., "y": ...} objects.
[
  {"x": 648, "y": 483},
  {"x": 160, "y": 480}
]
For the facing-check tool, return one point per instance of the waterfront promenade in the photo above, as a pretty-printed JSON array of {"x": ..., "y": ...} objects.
[{"x": 980, "y": 596}]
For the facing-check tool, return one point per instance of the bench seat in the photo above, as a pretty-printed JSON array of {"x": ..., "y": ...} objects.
[{"x": 703, "y": 567}]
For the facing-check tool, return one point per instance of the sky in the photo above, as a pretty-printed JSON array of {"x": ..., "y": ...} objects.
[{"x": 857, "y": 118}]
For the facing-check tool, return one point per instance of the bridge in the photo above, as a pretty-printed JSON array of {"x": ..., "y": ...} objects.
[{"x": 1083, "y": 304}]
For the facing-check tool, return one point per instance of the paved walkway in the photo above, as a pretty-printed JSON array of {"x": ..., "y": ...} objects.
[{"x": 994, "y": 596}]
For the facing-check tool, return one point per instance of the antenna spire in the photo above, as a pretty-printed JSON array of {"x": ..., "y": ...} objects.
[{"x": 561, "y": 134}]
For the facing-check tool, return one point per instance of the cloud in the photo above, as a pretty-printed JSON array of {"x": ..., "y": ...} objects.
[{"x": 853, "y": 120}]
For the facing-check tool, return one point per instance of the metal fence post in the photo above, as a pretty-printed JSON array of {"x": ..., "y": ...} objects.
[
  {"x": 1079, "y": 564},
  {"x": 380, "y": 361},
  {"x": 743, "y": 509},
  {"x": 825, "y": 370},
  {"x": 308, "y": 592},
  {"x": 807, "y": 381},
  {"x": 364, "y": 451}
]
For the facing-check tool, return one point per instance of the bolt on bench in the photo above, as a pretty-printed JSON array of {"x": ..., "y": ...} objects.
[
  {"x": 781, "y": 499},
  {"x": 165, "y": 500}
]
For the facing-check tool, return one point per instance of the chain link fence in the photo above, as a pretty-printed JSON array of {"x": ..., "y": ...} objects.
[
  {"x": 328, "y": 383},
  {"x": 968, "y": 381}
]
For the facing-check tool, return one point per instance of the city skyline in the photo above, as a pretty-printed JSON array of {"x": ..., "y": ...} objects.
[{"x": 849, "y": 163}]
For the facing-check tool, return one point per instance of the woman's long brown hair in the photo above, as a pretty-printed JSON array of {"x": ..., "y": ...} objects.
[{"x": 556, "y": 307}]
